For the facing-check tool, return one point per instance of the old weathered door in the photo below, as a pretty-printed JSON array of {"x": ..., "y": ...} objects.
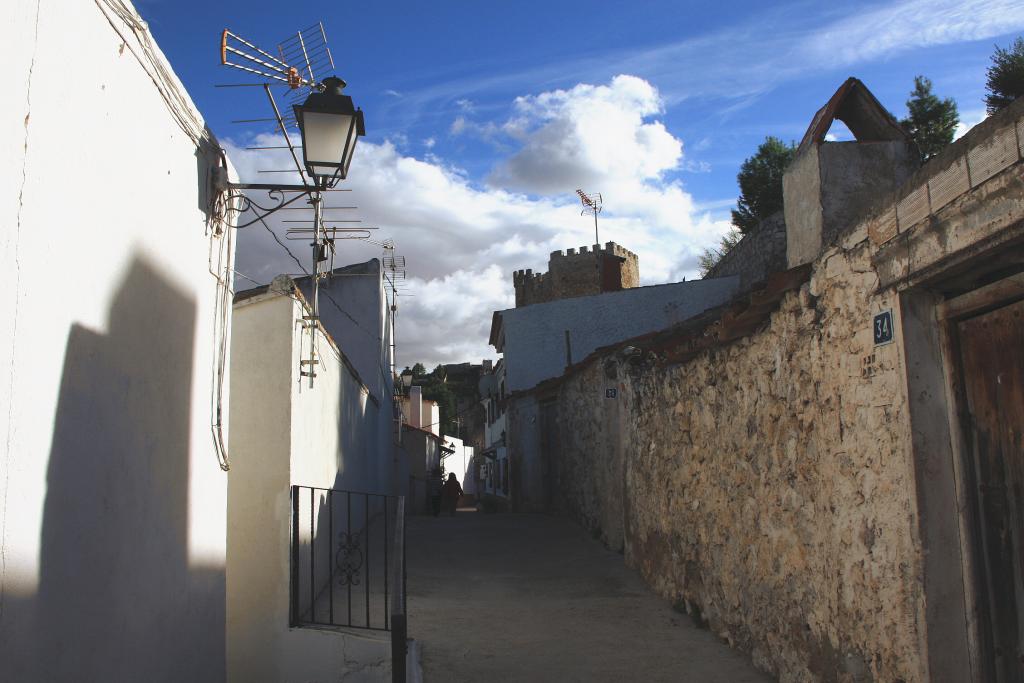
[
  {"x": 549, "y": 449},
  {"x": 992, "y": 355}
]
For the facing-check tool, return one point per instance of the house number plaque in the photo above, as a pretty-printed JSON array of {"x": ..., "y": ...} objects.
[{"x": 883, "y": 327}]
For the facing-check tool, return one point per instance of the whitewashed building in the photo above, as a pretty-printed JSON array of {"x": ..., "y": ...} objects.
[
  {"x": 460, "y": 460},
  {"x": 307, "y": 503},
  {"x": 115, "y": 277},
  {"x": 495, "y": 473}
]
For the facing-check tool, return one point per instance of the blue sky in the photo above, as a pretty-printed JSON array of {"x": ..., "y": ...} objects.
[{"x": 482, "y": 118}]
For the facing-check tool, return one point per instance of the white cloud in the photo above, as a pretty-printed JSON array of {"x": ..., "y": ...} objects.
[
  {"x": 458, "y": 125},
  {"x": 462, "y": 241},
  {"x": 899, "y": 27},
  {"x": 969, "y": 119},
  {"x": 740, "y": 63},
  {"x": 586, "y": 135}
]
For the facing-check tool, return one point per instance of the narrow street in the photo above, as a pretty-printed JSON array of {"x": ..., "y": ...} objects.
[{"x": 517, "y": 597}]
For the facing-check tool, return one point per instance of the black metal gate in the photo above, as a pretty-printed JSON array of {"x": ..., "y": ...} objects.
[{"x": 348, "y": 563}]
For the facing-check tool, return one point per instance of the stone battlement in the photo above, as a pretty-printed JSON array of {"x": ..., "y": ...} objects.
[
  {"x": 521, "y": 277},
  {"x": 610, "y": 248},
  {"x": 591, "y": 269}
]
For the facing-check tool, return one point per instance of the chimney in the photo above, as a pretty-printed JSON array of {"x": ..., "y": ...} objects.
[{"x": 415, "y": 417}]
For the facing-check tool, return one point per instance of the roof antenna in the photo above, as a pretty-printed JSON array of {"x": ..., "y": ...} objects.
[
  {"x": 591, "y": 204},
  {"x": 295, "y": 68}
]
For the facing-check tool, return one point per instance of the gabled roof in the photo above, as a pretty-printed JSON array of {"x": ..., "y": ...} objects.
[{"x": 863, "y": 114}]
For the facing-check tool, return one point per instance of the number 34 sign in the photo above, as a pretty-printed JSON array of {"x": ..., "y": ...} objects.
[{"x": 883, "y": 327}]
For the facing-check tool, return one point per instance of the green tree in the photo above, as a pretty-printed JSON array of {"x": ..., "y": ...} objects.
[
  {"x": 711, "y": 256},
  {"x": 1005, "y": 76},
  {"x": 930, "y": 121},
  {"x": 760, "y": 181}
]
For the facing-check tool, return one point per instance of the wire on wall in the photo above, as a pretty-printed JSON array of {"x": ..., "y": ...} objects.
[
  {"x": 376, "y": 337},
  {"x": 125, "y": 21},
  {"x": 148, "y": 55},
  {"x": 221, "y": 262}
]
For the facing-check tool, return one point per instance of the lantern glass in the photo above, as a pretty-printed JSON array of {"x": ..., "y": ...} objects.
[
  {"x": 327, "y": 139},
  {"x": 330, "y": 126}
]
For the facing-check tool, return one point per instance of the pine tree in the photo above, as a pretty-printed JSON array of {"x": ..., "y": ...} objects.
[
  {"x": 711, "y": 256},
  {"x": 930, "y": 121},
  {"x": 1005, "y": 77},
  {"x": 760, "y": 181}
]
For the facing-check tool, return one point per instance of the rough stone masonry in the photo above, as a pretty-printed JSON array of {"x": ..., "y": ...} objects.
[{"x": 771, "y": 485}]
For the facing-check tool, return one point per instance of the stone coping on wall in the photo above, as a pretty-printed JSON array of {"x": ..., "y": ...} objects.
[
  {"x": 984, "y": 152},
  {"x": 713, "y": 328},
  {"x": 990, "y": 147}
]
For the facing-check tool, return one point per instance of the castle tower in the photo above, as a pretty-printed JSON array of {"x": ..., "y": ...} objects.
[{"x": 580, "y": 272}]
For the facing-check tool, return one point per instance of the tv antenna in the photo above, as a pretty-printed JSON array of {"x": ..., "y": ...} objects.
[
  {"x": 591, "y": 204},
  {"x": 394, "y": 272},
  {"x": 297, "y": 66}
]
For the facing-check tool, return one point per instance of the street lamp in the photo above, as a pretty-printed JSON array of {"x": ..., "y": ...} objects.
[{"x": 330, "y": 126}]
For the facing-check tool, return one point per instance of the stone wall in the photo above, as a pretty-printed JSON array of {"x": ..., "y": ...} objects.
[
  {"x": 759, "y": 253},
  {"x": 771, "y": 483},
  {"x": 572, "y": 273},
  {"x": 541, "y": 340},
  {"x": 767, "y": 485}
]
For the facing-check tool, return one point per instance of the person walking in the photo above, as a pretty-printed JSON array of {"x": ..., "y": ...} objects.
[
  {"x": 436, "y": 483},
  {"x": 451, "y": 495}
]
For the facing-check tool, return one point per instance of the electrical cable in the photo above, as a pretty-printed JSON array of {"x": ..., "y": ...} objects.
[
  {"x": 284, "y": 246},
  {"x": 246, "y": 277},
  {"x": 330, "y": 298},
  {"x": 187, "y": 118},
  {"x": 217, "y": 220},
  {"x": 177, "y": 101}
]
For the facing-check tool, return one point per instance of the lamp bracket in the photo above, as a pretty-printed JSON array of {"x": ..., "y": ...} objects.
[{"x": 276, "y": 194}]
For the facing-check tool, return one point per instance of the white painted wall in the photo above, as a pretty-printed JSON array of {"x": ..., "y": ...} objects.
[
  {"x": 461, "y": 463},
  {"x": 431, "y": 417},
  {"x": 491, "y": 389},
  {"x": 354, "y": 311},
  {"x": 112, "y": 503},
  {"x": 493, "y": 472},
  {"x": 412, "y": 406},
  {"x": 534, "y": 340},
  {"x": 495, "y": 464},
  {"x": 420, "y": 452},
  {"x": 288, "y": 433}
]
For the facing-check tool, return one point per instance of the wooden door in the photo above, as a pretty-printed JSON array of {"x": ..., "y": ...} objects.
[
  {"x": 549, "y": 450},
  {"x": 992, "y": 356}
]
